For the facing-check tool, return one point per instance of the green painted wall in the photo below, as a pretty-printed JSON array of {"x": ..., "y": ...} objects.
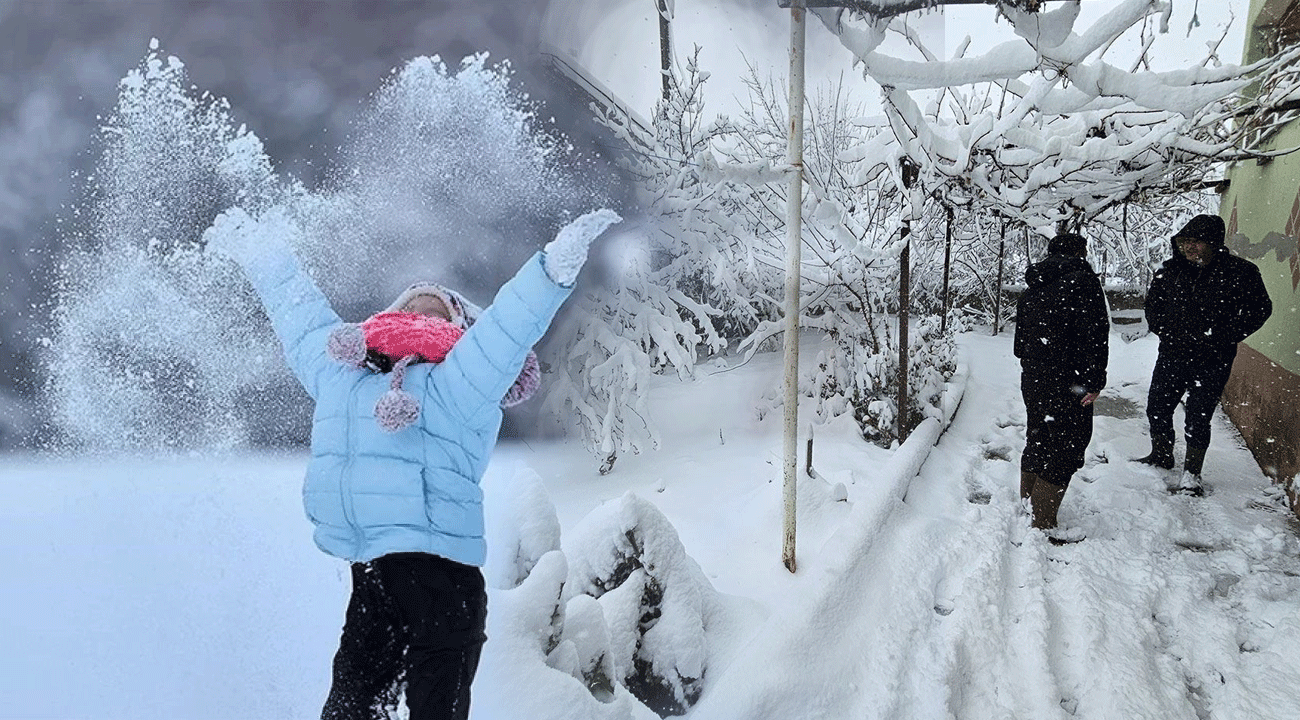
[
  {"x": 1265, "y": 199},
  {"x": 1253, "y": 49}
]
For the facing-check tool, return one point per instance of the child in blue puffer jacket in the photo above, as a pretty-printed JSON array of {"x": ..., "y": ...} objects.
[{"x": 399, "y": 444}]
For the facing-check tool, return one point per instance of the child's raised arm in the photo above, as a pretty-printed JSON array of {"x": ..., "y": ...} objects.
[
  {"x": 486, "y": 361},
  {"x": 299, "y": 313}
]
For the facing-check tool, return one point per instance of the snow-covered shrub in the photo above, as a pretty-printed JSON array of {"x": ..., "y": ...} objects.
[
  {"x": 585, "y": 639},
  {"x": 858, "y": 374},
  {"x": 528, "y": 652},
  {"x": 658, "y": 604},
  {"x": 618, "y": 623},
  {"x": 932, "y": 361}
]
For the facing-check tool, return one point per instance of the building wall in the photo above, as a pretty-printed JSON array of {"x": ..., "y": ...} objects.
[{"x": 1262, "y": 210}]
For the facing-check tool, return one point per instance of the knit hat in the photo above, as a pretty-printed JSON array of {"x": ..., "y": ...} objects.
[
  {"x": 395, "y": 339},
  {"x": 1209, "y": 229},
  {"x": 452, "y": 300},
  {"x": 1068, "y": 244}
]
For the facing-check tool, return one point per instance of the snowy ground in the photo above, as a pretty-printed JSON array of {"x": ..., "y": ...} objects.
[{"x": 189, "y": 588}]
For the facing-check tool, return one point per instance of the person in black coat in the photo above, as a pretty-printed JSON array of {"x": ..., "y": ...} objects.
[
  {"x": 1062, "y": 340},
  {"x": 1202, "y": 302}
]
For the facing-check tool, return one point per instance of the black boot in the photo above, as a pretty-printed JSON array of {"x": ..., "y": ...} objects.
[
  {"x": 1162, "y": 452},
  {"x": 1194, "y": 460}
]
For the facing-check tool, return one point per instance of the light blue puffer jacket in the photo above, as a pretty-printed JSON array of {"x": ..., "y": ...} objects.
[{"x": 371, "y": 492}]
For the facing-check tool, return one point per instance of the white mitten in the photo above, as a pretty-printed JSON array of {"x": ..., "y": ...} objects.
[
  {"x": 568, "y": 251},
  {"x": 230, "y": 234},
  {"x": 236, "y": 235}
]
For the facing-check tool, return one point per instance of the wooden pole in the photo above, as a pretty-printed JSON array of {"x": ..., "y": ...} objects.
[
  {"x": 909, "y": 171},
  {"x": 947, "y": 265},
  {"x": 904, "y": 297},
  {"x": 808, "y": 467},
  {"x": 997, "y": 287}
]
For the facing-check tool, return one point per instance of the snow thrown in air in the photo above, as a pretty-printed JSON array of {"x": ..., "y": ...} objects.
[{"x": 448, "y": 175}]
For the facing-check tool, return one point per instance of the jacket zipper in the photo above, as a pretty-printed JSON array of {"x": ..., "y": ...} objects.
[{"x": 345, "y": 482}]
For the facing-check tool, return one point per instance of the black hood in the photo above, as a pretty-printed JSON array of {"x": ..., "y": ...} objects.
[
  {"x": 1053, "y": 267},
  {"x": 1209, "y": 229}
]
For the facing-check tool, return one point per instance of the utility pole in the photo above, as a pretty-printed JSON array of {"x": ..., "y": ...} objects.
[
  {"x": 665, "y": 46},
  {"x": 794, "y": 238}
]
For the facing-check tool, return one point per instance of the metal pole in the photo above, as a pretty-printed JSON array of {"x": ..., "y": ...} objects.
[{"x": 793, "y": 221}]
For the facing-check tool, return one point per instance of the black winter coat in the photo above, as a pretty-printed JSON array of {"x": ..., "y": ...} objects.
[
  {"x": 1062, "y": 326},
  {"x": 1206, "y": 311}
]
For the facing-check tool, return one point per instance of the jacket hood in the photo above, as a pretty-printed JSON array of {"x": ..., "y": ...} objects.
[
  {"x": 1209, "y": 229},
  {"x": 1054, "y": 267},
  {"x": 463, "y": 312}
]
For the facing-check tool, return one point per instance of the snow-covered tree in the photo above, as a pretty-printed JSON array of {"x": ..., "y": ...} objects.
[
  {"x": 1040, "y": 134},
  {"x": 710, "y": 272},
  {"x": 1044, "y": 130},
  {"x": 685, "y": 285},
  {"x": 855, "y": 215}
]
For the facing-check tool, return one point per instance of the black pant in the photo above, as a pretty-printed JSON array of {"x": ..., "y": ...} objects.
[
  {"x": 414, "y": 620},
  {"x": 1058, "y": 427},
  {"x": 1201, "y": 377}
]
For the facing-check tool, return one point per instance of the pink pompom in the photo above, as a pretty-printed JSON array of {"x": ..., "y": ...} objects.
[
  {"x": 526, "y": 384},
  {"x": 347, "y": 344},
  {"x": 396, "y": 410}
]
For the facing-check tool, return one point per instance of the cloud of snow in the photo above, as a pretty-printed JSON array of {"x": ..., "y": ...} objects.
[{"x": 448, "y": 176}]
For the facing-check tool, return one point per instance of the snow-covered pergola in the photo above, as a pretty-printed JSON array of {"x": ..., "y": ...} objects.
[
  {"x": 890, "y": 8},
  {"x": 794, "y": 159},
  {"x": 1071, "y": 136}
]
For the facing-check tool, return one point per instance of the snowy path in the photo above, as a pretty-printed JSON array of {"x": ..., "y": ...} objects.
[{"x": 1173, "y": 607}]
